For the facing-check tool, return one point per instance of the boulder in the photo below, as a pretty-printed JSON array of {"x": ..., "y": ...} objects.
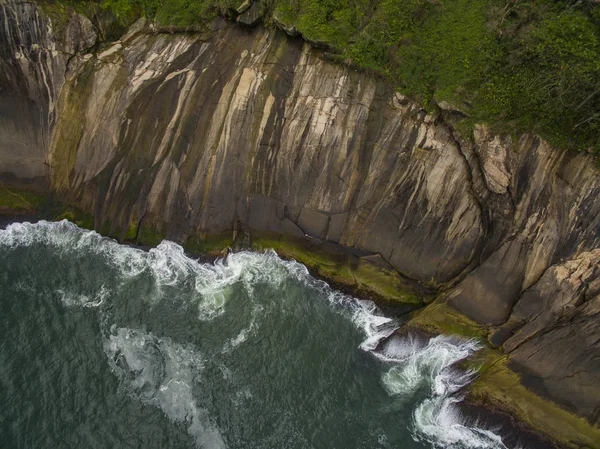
[
  {"x": 80, "y": 35},
  {"x": 250, "y": 16}
]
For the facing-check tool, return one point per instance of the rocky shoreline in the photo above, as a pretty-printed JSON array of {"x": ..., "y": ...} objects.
[
  {"x": 476, "y": 409},
  {"x": 205, "y": 138},
  {"x": 514, "y": 433}
]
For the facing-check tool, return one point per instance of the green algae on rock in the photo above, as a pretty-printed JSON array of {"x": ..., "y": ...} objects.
[
  {"x": 500, "y": 387},
  {"x": 439, "y": 318},
  {"x": 15, "y": 201},
  {"x": 346, "y": 270}
]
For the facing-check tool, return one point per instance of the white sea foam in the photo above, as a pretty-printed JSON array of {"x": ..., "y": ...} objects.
[
  {"x": 375, "y": 326},
  {"x": 418, "y": 364},
  {"x": 25, "y": 234},
  {"x": 215, "y": 281},
  {"x": 430, "y": 363},
  {"x": 246, "y": 332},
  {"x": 162, "y": 373},
  {"x": 66, "y": 237},
  {"x": 439, "y": 421},
  {"x": 168, "y": 265},
  {"x": 72, "y": 299}
]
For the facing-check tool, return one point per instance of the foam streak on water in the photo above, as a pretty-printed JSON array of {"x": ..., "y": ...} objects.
[
  {"x": 167, "y": 374},
  {"x": 162, "y": 373}
]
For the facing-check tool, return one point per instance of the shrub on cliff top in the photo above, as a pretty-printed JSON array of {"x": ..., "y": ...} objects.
[
  {"x": 526, "y": 65},
  {"x": 523, "y": 65}
]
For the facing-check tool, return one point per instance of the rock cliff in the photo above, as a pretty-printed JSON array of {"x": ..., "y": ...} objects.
[
  {"x": 199, "y": 135},
  {"x": 33, "y": 64}
]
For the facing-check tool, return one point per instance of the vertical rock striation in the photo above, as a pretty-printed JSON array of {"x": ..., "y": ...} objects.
[
  {"x": 198, "y": 135},
  {"x": 33, "y": 62}
]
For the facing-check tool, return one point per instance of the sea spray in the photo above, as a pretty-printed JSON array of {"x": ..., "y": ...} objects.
[{"x": 430, "y": 364}]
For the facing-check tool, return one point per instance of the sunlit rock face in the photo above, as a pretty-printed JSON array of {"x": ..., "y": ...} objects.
[{"x": 201, "y": 134}]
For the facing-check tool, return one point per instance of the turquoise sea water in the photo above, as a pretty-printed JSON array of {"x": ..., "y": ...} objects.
[{"x": 107, "y": 346}]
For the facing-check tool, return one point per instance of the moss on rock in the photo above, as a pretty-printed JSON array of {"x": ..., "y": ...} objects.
[
  {"x": 213, "y": 245},
  {"x": 150, "y": 236},
  {"x": 440, "y": 318},
  {"x": 500, "y": 388},
  {"x": 343, "y": 269},
  {"x": 19, "y": 201},
  {"x": 74, "y": 215}
]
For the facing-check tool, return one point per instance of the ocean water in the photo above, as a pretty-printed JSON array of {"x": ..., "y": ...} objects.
[{"x": 107, "y": 346}]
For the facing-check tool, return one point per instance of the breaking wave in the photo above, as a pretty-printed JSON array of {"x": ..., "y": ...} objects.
[
  {"x": 429, "y": 364},
  {"x": 160, "y": 372}
]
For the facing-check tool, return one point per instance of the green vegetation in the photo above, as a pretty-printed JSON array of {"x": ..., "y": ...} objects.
[
  {"x": 19, "y": 201},
  {"x": 520, "y": 65},
  {"x": 148, "y": 235},
  {"x": 74, "y": 215},
  {"x": 213, "y": 245},
  {"x": 172, "y": 12}
]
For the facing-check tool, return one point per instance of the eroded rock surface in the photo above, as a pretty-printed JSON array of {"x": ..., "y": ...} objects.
[
  {"x": 196, "y": 133},
  {"x": 553, "y": 334},
  {"x": 33, "y": 61},
  {"x": 247, "y": 129}
]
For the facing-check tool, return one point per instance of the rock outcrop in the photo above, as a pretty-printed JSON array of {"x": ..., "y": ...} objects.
[
  {"x": 33, "y": 64},
  {"x": 251, "y": 127},
  {"x": 553, "y": 334},
  {"x": 200, "y": 134}
]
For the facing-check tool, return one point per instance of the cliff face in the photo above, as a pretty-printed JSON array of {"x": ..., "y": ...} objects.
[
  {"x": 33, "y": 62},
  {"x": 194, "y": 135},
  {"x": 198, "y": 135}
]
